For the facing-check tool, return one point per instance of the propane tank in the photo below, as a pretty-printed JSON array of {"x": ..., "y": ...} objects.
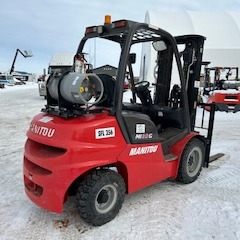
[{"x": 78, "y": 88}]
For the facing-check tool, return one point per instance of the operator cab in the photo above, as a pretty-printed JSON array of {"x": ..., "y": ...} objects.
[{"x": 155, "y": 111}]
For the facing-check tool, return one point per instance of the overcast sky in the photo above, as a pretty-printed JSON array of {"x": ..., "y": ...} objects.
[{"x": 49, "y": 26}]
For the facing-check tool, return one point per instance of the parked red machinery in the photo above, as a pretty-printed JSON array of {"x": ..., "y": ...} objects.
[
  {"x": 223, "y": 91},
  {"x": 90, "y": 142}
]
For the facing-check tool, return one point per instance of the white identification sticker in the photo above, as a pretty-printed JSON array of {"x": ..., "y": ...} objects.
[
  {"x": 140, "y": 128},
  {"x": 105, "y": 132},
  {"x": 196, "y": 84}
]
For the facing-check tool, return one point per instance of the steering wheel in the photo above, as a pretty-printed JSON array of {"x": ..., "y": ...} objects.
[
  {"x": 141, "y": 86},
  {"x": 142, "y": 91}
]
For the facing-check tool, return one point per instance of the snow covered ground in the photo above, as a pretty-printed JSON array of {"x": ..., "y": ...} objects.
[{"x": 206, "y": 209}]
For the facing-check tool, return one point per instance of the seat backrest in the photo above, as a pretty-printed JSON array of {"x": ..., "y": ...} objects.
[{"x": 109, "y": 87}]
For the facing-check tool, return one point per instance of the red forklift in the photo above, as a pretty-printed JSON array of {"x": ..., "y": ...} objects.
[
  {"x": 224, "y": 91},
  {"x": 92, "y": 141}
]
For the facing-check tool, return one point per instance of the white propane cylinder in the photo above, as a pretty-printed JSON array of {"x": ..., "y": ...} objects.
[{"x": 77, "y": 88}]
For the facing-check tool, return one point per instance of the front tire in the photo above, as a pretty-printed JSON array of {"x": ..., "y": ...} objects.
[
  {"x": 191, "y": 161},
  {"x": 100, "y": 196}
]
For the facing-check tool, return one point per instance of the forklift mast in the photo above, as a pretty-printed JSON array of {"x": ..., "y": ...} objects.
[{"x": 192, "y": 58}]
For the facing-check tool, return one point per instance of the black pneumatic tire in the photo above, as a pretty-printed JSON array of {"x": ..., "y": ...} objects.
[
  {"x": 191, "y": 162},
  {"x": 100, "y": 196}
]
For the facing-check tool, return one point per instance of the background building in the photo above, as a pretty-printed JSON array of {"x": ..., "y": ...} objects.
[
  {"x": 221, "y": 29},
  {"x": 106, "y": 69}
]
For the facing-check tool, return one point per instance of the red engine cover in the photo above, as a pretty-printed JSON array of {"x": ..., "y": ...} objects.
[{"x": 59, "y": 150}]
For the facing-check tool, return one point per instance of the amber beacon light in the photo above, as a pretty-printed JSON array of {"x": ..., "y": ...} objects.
[{"x": 107, "y": 19}]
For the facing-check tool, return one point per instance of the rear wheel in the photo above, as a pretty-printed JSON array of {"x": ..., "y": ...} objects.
[
  {"x": 191, "y": 161},
  {"x": 100, "y": 196}
]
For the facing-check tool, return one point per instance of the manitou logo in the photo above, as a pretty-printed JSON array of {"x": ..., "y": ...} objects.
[
  {"x": 143, "y": 150},
  {"x": 43, "y": 131}
]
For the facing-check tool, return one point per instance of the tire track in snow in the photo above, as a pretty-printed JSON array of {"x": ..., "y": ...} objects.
[
  {"x": 217, "y": 176},
  {"x": 215, "y": 173}
]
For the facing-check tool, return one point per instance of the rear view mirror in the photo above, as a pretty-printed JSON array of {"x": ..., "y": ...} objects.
[{"x": 159, "y": 46}]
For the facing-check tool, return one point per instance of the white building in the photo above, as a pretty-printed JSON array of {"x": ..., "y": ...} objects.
[{"x": 222, "y": 30}]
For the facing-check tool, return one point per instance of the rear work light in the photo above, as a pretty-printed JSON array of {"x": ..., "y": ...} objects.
[
  {"x": 118, "y": 24},
  {"x": 90, "y": 30},
  {"x": 94, "y": 29}
]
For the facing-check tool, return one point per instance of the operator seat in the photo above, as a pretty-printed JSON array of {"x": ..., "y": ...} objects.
[{"x": 109, "y": 86}]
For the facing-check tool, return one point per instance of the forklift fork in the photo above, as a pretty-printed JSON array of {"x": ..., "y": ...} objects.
[{"x": 209, "y": 128}]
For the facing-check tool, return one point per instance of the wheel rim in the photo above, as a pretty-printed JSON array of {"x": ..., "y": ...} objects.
[
  {"x": 106, "y": 198},
  {"x": 194, "y": 161}
]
